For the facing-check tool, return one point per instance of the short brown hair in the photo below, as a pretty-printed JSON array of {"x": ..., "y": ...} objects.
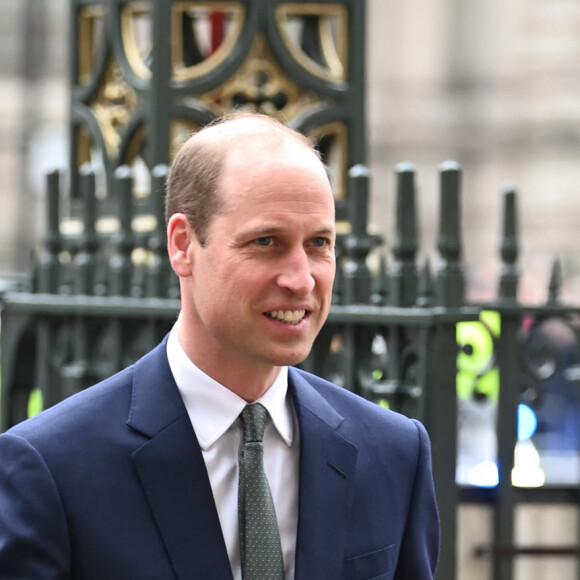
[{"x": 193, "y": 182}]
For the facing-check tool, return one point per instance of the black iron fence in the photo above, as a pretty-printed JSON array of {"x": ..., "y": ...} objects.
[{"x": 101, "y": 293}]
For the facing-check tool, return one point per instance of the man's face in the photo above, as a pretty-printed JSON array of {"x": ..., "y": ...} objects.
[{"x": 261, "y": 286}]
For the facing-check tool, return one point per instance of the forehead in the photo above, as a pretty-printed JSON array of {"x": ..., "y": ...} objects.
[{"x": 274, "y": 171}]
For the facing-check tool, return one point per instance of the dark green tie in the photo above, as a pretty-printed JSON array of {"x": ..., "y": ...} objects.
[{"x": 260, "y": 548}]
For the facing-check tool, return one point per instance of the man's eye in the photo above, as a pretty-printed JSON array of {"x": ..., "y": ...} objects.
[
  {"x": 264, "y": 241},
  {"x": 320, "y": 242}
]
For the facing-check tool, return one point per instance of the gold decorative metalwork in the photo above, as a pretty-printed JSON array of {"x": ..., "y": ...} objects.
[
  {"x": 257, "y": 85},
  {"x": 199, "y": 11},
  {"x": 135, "y": 146},
  {"x": 115, "y": 102},
  {"x": 336, "y": 157},
  {"x": 136, "y": 36},
  {"x": 333, "y": 35},
  {"x": 90, "y": 33}
]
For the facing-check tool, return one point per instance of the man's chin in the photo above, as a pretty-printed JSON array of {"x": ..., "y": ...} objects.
[{"x": 290, "y": 359}]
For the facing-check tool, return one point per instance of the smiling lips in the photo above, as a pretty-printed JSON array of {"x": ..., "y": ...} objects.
[{"x": 288, "y": 316}]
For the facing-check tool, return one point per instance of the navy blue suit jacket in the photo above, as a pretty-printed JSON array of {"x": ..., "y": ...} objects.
[{"x": 111, "y": 485}]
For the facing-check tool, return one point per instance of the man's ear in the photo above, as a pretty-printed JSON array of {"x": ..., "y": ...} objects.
[{"x": 180, "y": 237}]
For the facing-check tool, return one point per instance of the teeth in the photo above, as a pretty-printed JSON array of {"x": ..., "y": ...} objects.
[{"x": 289, "y": 316}]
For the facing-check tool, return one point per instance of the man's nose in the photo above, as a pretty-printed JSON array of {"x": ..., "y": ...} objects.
[{"x": 296, "y": 273}]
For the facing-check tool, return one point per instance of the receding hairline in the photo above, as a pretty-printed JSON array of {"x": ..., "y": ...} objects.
[
  {"x": 238, "y": 127},
  {"x": 200, "y": 165}
]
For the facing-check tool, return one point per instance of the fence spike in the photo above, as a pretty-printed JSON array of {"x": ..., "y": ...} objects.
[
  {"x": 48, "y": 267},
  {"x": 555, "y": 285},
  {"x": 509, "y": 273},
  {"x": 450, "y": 280},
  {"x": 358, "y": 243},
  {"x": 380, "y": 294},
  {"x": 120, "y": 264},
  {"x": 426, "y": 289},
  {"x": 404, "y": 248},
  {"x": 84, "y": 263},
  {"x": 338, "y": 285},
  {"x": 159, "y": 271}
]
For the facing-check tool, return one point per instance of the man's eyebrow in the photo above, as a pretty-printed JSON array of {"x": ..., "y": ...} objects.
[
  {"x": 262, "y": 230},
  {"x": 267, "y": 230},
  {"x": 330, "y": 230}
]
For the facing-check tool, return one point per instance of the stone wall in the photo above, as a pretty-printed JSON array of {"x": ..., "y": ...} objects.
[
  {"x": 495, "y": 86},
  {"x": 33, "y": 118}
]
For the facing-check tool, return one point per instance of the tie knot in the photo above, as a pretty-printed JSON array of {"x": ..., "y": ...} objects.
[{"x": 254, "y": 421}]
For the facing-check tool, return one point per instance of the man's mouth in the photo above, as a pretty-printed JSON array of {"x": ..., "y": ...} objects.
[{"x": 287, "y": 316}]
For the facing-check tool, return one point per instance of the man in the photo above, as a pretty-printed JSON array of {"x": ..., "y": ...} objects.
[{"x": 137, "y": 477}]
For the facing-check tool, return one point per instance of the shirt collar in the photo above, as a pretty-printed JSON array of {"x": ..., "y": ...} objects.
[{"x": 213, "y": 408}]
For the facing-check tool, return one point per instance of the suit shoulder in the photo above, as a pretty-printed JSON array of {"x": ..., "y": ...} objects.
[
  {"x": 357, "y": 408},
  {"x": 106, "y": 398},
  {"x": 96, "y": 406}
]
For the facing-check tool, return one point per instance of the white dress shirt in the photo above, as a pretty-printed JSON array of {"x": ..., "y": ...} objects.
[{"x": 214, "y": 411}]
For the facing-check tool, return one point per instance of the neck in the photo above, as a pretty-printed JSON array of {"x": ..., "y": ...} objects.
[
  {"x": 249, "y": 380},
  {"x": 248, "y": 384}
]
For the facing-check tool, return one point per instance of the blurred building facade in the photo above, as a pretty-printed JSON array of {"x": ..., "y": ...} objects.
[{"x": 495, "y": 86}]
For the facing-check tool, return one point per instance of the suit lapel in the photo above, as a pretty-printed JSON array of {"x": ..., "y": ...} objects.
[
  {"x": 327, "y": 469},
  {"x": 172, "y": 471}
]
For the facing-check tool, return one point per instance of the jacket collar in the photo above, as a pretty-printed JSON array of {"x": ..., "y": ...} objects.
[
  {"x": 172, "y": 472},
  {"x": 327, "y": 470}
]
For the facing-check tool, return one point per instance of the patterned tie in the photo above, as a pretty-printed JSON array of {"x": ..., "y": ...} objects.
[{"x": 260, "y": 548}]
